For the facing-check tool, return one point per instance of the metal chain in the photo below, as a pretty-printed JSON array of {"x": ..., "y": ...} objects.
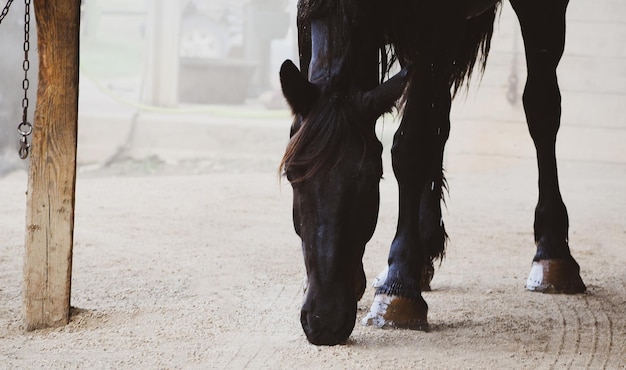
[
  {"x": 5, "y": 11},
  {"x": 25, "y": 128}
]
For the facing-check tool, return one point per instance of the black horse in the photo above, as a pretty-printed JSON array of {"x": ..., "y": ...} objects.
[{"x": 333, "y": 160}]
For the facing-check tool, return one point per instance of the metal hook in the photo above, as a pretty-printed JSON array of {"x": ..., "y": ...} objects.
[
  {"x": 24, "y": 129},
  {"x": 24, "y": 148}
]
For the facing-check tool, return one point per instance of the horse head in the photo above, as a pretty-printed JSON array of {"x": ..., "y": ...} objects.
[{"x": 333, "y": 162}]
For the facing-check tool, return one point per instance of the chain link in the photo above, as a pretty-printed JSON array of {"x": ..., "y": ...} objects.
[
  {"x": 5, "y": 10},
  {"x": 25, "y": 128}
]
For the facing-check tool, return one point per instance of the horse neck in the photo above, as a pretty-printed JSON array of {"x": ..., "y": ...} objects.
[{"x": 342, "y": 57}]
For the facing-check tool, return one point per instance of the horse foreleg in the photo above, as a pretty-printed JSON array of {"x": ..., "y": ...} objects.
[
  {"x": 417, "y": 156},
  {"x": 543, "y": 29}
]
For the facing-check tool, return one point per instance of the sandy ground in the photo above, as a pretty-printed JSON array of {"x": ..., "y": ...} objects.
[
  {"x": 190, "y": 261},
  {"x": 185, "y": 256}
]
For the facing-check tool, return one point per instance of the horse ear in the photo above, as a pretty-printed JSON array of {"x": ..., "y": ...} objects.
[
  {"x": 381, "y": 99},
  {"x": 299, "y": 92}
]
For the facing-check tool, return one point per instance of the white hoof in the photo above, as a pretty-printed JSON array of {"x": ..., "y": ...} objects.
[
  {"x": 376, "y": 316},
  {"x": 535, "y": 278}
]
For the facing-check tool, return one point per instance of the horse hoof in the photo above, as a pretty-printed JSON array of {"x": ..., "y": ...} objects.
[
  {"x": 397, "y": 312},
  {"x": 555, "y": 276}
]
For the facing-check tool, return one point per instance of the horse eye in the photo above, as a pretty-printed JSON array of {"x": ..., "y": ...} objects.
[{"x": 290, "y": 174}]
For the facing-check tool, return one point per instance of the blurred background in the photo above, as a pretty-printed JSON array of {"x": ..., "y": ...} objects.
[
  {"x": 172, "y": 82},
  {"x": 158, "y": 56}
]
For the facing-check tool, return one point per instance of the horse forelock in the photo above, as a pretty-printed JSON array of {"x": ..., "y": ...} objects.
[{"x": 322, "y": 139}]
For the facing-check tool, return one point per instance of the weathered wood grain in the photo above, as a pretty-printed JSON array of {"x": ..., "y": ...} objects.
[{"x": 52, "y": 174}]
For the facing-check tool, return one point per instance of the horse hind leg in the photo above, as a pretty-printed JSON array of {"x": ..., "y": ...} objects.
[{"x": 543, "y": 29}]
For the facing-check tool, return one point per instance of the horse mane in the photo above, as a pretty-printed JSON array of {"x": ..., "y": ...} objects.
[
  {"x": 349, "y": 19},
  {"x": 321, "y": 140},
  {"x": 344, "y": 10}
]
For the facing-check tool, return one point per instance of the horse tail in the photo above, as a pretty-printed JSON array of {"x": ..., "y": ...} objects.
[{"x": 475, "y": 47}]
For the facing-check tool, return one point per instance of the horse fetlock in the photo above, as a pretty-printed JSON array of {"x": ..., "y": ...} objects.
[
  {"x": 389, "y": 311},
  {"x": 426, "y": 276},
  {"x": 555, "y": 276}
]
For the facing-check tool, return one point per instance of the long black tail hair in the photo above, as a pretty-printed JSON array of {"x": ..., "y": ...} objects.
[
  {"x": 475, "y": 48},
  {"x": 406, "y": 42}
]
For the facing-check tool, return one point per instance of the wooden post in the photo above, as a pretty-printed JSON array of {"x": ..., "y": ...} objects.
[{"x": 52, "y": 174}]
